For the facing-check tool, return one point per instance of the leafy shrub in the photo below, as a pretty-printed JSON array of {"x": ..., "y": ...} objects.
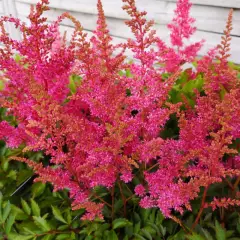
[{"x": 118, "y": 135}]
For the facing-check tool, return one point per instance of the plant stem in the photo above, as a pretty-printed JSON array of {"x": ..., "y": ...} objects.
[
  {"x": 103, "y": 201},
  {"x": 123, "y": 199},
  {"x": 112, "y": 194},
  {"x": 201, "y": 208},
  {"x": 153, "y": 166},
  {"x": 178, "y": 221},
  {"x": 236, "y": 183},
  {"x": 230, "y": 184}
]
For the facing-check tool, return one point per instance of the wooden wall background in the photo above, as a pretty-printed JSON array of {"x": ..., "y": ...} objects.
[{"x": 211, "y": 16}]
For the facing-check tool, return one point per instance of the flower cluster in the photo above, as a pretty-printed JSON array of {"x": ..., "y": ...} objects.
[{"x": 100, "y": 118}]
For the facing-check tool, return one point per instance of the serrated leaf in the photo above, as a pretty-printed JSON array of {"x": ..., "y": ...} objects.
[
  {"x": 139, "y": 236},
  {"x": 120, "y": 222},
  {"x": 163, "y": 230},
  {"x": 57, "y": 214},
  {"x": 208, "y": 217},
  {"x": 25, "y": 206},
  {"x": 38, "y": 188},
  {"x": 20, "y": 214},
  {"x": 9, "y": 223},
  {"x": 35, "y": 208},
  {"x": 112, "y": 235},
  {"x": 155, "y": 227},
  {"x": 207, "y": 235},
  {"x": 195, "y": 236},
  {"x": 6, "y": 211},
  {"x": 159, "y": 218},
  {"x": 146, "y": 234},
  {"x": 42, "y": 223},
  {"x": 27, "y": 230},
  {"x": 220, "y": 232}
]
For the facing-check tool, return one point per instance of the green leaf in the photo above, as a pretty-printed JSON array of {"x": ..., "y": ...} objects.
[
  {"x": 68, "y": 216},
  {"x": 5, "y": 166},
  {"x": 20, "y": 215},
  {"x": 23, "y": 176},
  {"x": 238, "y": 226},
  {"x": 220, "y": 232},
  {"x": 146, "y": 234},
  {"x": 120, "y": 222},
  {"x": 137, "y": 227},
  {"x": 128, "y": 73},
  {"x": 112, "y": 235},
  {"x": 35, "y": 208},
  {"x": 104, "y": 227},
  {"x": 6, "y": 211},
  {"x": 136, "y": 217},
  {"x": 145, "y": 214},
  {"x": 25, "y": 206},
  {"x": 139, "y": 236},
  {"x": 152, "y": 215},
  {"x": 159, "y": 218},
  {"x": 88, "y": 238},
  {"x": 42, "y": 223},
  {"x": 63, "y": 227},
  {"x": 195, "y": 236},
  {"x": 155, "y": 227},
  {"x": 63, "y": 236},
  {"x": 48, "y": 237},
  {"x": 9, "y": 223},
  {"x": 208, "y": 217},
  {"x": 37, "y": 189},
  {"x": 163, "y": 230},
  {"x": 118, "y": 205},
  {"x": 27, "y": 230},
  {"x": 229, "y": 233},
  {"x": 14, "y": 236},
  {"x": 1, "y": 197},
  {"x": 57, "y": 214},
  {"x": 207, "y": 235}
]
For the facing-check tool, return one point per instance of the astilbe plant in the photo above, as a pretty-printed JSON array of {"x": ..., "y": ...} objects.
[{"x": 109, "y": 127}]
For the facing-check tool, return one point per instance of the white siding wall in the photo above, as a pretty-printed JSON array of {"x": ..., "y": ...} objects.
[
  {"x": 1, "y": 8},
  {"x": 210, "y": 17}
]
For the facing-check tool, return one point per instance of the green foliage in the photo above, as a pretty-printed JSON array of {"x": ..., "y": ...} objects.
[{"x": 185, "y": 87}]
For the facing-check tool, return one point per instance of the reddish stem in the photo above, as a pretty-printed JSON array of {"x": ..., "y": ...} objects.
[
  {"x": 123, "y": 199},
  {"x": 201, "y": 208}
]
